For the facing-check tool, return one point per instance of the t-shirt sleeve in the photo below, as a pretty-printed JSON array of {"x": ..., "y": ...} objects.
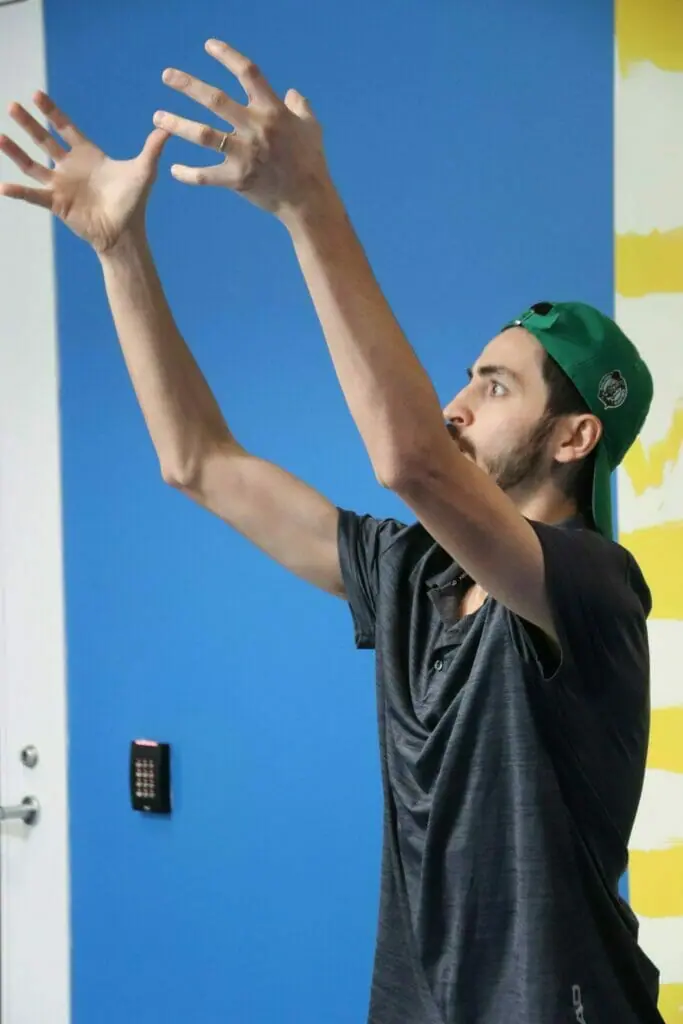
[
  {"x": 598, "y": 599},
  {"x": 362, "y": 542}
]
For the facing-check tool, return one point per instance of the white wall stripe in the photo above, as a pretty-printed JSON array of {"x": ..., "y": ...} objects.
[
  {"x": 649, "y": 154},
  {"x": 654, "y": 830},
  {"x": 34, "y": 865},
  {"x": 648, "y": 223},
  {"x": 662, "y": 939}
]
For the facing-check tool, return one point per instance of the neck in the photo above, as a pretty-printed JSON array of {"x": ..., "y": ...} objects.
[{"x": 546, "y": 504}]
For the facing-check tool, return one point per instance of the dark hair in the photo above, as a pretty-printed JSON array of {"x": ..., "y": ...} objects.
[{"x": 575, "y": 478}]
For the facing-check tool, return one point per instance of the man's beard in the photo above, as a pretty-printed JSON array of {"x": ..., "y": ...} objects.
[{"x": 524, "y": 466}]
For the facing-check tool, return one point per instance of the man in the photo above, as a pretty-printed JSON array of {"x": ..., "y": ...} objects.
[{"x": 510, "y": 629}]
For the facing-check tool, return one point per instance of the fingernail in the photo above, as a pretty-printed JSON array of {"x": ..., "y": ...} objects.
[
  {"x": 174, "y": 77},
  {"x": 159, "y": 117}
]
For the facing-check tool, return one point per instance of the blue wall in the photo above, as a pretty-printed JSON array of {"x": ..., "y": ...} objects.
[{"x": 473, "y": 145}]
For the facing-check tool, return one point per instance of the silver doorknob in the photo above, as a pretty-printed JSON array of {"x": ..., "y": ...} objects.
[{"x": 27, "y": 811}]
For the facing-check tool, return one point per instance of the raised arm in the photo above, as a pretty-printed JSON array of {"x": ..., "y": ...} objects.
[
  {"x": 275, "y": 159},
  {"x": 103, "y": 201}
]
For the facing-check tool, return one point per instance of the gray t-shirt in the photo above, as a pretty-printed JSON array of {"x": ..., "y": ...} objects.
[{"x": 511, "y": 781}]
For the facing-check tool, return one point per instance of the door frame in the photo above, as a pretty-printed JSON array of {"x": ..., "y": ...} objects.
[{"x": 34, "y": 862}]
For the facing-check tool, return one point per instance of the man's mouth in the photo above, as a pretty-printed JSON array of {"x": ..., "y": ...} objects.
[{"x": 462, "y": 445}]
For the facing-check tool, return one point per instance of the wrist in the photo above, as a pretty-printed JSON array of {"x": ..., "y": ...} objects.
[
  {"x": 131, "y": 241},
  {"x": 320, "y": 204}
]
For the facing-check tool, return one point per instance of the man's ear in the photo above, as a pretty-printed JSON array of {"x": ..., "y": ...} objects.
[{"x": 577, "y": 436}]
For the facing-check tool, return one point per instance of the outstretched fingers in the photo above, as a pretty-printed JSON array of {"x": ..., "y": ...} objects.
[
  {"x": 23, "y": 161},
  {"x": 245, "y": 71},
  {"x": 192, "y": 131},
  {"x": 35, "y": 196},
  {"x": 63, "y": 124},
  {"x": 37, "y": 132},
  {"x": 216, "y": 174},
  {"x": 215, "y": 100}
]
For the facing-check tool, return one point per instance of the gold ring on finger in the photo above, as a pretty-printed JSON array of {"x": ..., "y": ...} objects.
[{"x": 223, "y": 143}]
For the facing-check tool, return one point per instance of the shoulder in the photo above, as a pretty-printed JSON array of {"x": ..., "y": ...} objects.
[
  {"x": 591, "y": 565},
  {"x": 374, "y": 539},
  {"x": 598, "y": 600},
  {"x": 373, "y": 556}
]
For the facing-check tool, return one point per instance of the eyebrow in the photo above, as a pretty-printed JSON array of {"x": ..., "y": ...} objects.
[{"x": 495, "y": 371}]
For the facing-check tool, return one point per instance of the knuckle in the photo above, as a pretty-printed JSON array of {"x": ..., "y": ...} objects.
[
  {"x": 245, "y": 175},
  {"x": 245, "y": 181},
  {"x": 269, "y": 130},
  {"x": 271, "y": 119},
  {"x": 216, "y": 99},
  {"x": 250, "y": 70},
  {"x": 206, "y": 135}
]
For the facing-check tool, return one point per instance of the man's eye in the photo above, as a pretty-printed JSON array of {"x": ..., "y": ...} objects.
[{"x": 497, "y": 388}]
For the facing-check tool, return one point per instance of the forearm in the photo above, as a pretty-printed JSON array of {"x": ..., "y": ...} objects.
[
  {"x": 181, "y": 413},
  {"x": 388, "y": 391}
]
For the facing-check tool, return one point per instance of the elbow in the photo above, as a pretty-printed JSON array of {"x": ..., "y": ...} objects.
[
  {"x": 412, "y": 457},
  {"x": 400, "y": 472},
  {"x": 182, "y": 476},
  {"x": 420, "y": 471},
  {"x": 187, "y": 471},
  {"x": 182, "y": 464},
  {"x": 388, "y": 479}
]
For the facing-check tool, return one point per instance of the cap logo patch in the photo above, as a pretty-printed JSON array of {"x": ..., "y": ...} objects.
[{"x": 612, "y": 390}]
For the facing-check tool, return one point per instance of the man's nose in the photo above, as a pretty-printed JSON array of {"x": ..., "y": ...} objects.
[{"x": 459, "y": 414}]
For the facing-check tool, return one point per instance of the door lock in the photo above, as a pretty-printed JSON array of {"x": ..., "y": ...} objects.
[
  {"x": 29, "y": 756},
  {"x": 27, "y": 811}
]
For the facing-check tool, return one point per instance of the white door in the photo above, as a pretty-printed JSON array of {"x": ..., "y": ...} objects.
[{"x": 34, "y": 903}]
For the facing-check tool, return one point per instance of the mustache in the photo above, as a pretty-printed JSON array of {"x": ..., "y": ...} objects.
[{"x": 464, "y": 445}]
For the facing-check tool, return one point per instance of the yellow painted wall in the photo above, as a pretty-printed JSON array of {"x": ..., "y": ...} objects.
[{"x": 649, "y": 305}]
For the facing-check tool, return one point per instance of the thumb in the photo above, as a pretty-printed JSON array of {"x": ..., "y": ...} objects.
[
  {"x": 299, "y": 105},
  {"x": 154, "y": 144}
]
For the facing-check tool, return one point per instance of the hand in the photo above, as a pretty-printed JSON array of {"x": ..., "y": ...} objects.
[
  {"x": 274, "y": 154},
  {"x": 95, "y": 196}
]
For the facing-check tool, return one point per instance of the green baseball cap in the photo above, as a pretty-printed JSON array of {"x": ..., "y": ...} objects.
[{"x": 609, "y": 374}]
